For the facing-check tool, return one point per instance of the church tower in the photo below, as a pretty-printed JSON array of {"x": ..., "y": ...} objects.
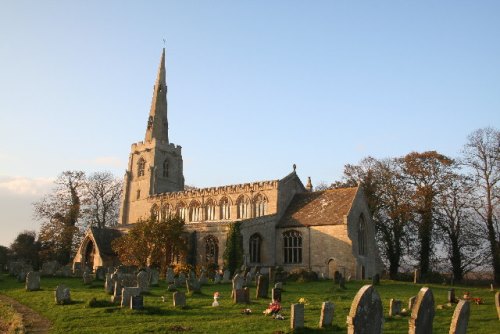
[{"x": 155, "y": 165}]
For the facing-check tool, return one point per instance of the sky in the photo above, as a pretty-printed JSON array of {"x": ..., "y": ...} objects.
[{"x": 253, "y": 86}]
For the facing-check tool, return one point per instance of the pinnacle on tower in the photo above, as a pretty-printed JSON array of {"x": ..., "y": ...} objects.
[{"x": 157, "y": 126}]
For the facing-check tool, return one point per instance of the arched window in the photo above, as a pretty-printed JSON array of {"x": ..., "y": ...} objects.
[
  {"x": 210, "y": 210},
  {"x": 292, "y": 247},
  {"x": 225, "y": 208},
  {"x": 165, "y": 211},
  {"x": 361, "y": 236},
  {"x": 242, "y": 208},
  {"x": 211, "y": 249},
  {"x": 181, "y": 210},
  {"x": 141, "y": 166},
  {"x": 254, "y": 247},
  {"x": 195, "y": 211},
  {"x": 165, "y": 168},
  {"x": 155, "y": 212},
  {"x": 260, "y": 203}
]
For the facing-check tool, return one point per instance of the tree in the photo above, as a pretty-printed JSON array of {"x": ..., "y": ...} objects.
[
  {"x": 152, "y": 242},
  {"x": 481, "y": 154},
  {"x": 4, "y": 257},
  {"x": 233, "y": 254},
  {"x": 25, "y": 248},
  {"x": 426, "y": 172}
]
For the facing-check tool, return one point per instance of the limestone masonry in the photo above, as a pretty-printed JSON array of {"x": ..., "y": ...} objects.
[{"x": 283, "y": 222}]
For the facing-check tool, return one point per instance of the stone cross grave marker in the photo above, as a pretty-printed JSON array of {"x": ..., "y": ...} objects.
[
  {"x": 327, "y": 312},
  {"x": 297, "y": 316},
  {"x": 262, "y": 287},
  {"x": 179, "y": 299},
  {"x": 366, "y": 313},
  {"x": 460, "y": 319},
  {"x": 33, "y": 281},
  {"x": 422, "y": 314},
  {"x": 62, "y": 295},
  {"x": 394, "y": 307},
  {"x": 143, "y": 281},
  {"x": 127, "y": 293}
]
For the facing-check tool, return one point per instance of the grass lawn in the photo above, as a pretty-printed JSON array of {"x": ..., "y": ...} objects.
[{"x": 200, "y": 317}]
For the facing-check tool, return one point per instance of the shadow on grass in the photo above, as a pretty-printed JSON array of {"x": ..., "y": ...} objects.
[{"x": 151, "y": 310}]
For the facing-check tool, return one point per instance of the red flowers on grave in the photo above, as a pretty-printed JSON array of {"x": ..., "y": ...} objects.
[
  {"x": 476, "y": 300},
  {"x": 273, "y": 308}
]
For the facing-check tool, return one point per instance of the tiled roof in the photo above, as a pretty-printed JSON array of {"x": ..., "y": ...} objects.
[
  {"x": 103, "y": 238},
  {"x": 319, "y": 208}
]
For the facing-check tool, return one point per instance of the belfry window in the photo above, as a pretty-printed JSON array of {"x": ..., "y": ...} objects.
[
  {"x": 211, "y": 249},
  {"x": 292, "y": 247},
  {"x": 165, "y": 168},
  {"x": 141, "y": 166},
  {"x": 361, "y": 236},
  {"x": 225, "y": 208},
  {"x": 254, "y": 247}
]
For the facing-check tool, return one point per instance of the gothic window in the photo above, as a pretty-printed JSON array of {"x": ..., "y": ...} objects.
[
  {"x": 165, "y": 168},
  {"x": 242, "y": 208},
  {"x": 225, "y": 208},
  {"x": 165, "y": 211},
  {"x": 254, "y": 247},
  {"x": 361, "y": 236},
  {"x": 292, "y": 247},
  {"x": 211, "y": 249},
  {"x": 210, "y": 210},
  {"x": 141, "y": 166},
  {"x": 195, "y": 212},
  {"x": 155, "y": 212},
  {"x": 260, "y": 203},
  {"x": 181, "y": 211}
]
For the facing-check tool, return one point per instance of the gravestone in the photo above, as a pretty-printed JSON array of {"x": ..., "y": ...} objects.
[
  {"x": 491, "y": 287},
  {"x": 21, "y": 276},
  {"x": 271, "y": 274},
  {"x": 170, "y": 275},
  {"x": 262, "y": 287},
  {"x": 416, "y": 276},
  {"x": 226, "y": 276},
  {"x": 203, "y": 279},
  {"x": 394, "y": 307},
  {"x": 411, "y": 302},
  {"x": 422, "y": 314},
  {"x": 77, "y": 269},
  {"x": 117, "y": 293},
  {"x": 276, "y": 295},
  {"x": 342, "y": 282},
  {"x": 137, "y": 302},
  {"x": 297, "y": 316},
  {"x": 50, "y": 268},
  {"x": 376, "y": 279},
  {"x": 217, "y": 278},
  {"x": 127, "y": 293},
  {"x": 239, "y": 296},
  {"x": 451, "y": 296},
  {"x": 336, "y": 277},
  {"x": 497, "y": 303},
  {"x": 238, "y": 282},
  {"x": 182, "y": 278},
  {"x": 460, "y": 319},
  {"x": 366, "y": 313},
  {"x": 191, "y": 275},
  {"x": 248, "y": 279},
  {"x": 143, "y": 281},
  {"x": 193, "y": 286},
  {"x": 66, "y": 271},
  {"x": 172, "y": 287},
  {"x": 87, "y": 278},
  {"x": 154, "y": 277},
  {"x": 33, "y": 281},
  {"x": 100, "y": 273},
  {"x": 278, "y": 285},
  {"x": 326, "y": 317},
  {"x": 179, "y": 299},
  {"x": 178, "y": 282},
  {"x": 247, "y": 295},
  {"x": 62, "y": 295},
  {"x": 109, "y": 284}
]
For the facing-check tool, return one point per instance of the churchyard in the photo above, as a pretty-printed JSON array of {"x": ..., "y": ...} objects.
[{"x": 91, "y": 310}]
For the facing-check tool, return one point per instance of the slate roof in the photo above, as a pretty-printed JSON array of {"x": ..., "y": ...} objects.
[
  {"x": 103, "y": 238},
  {"x": 319, "y": 208}
]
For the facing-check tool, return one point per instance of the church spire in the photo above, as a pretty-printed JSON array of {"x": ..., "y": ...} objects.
[{"x": 157, "y": 122}]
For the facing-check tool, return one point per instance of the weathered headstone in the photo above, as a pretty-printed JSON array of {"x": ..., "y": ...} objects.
[
  {"x": 394, "y": 307},
  {"x": 136, "y": 302},
  {"x": 497, "y": 303},
  {"x": 127, "y": 293},
  {"x": 422, "y": 314},
  {"x": 238, "y": 282},
  {"x": 87, "y": 278},
  {"x": 342, "y": 282},
  {"x": 154, "y": 277},
  {"x": 239, "y": 296},
  {"x": 262, "y": 287},
  {"x": 217, "y": 278},
  {"x": 203, "y": 279},
  {"x": 179, "y": 299},
  {"x": 193, "y": 285},
  {"x": 278, "y": 285},
  {"x": 109, "y": 284},
  {"x": 248, "y": 279},
  {"x": 416, "y": 276},
  {"x": 182, "y": 278},
  {"x": 451, "y": 296},
  {"x": 100, "y": 273},
  {"x": 117, "y": 293},
  {"x": 50, "y": 268},
  {"x": 170, "y": 275},
  {"x": 226, "y": 276},
  {"x": 366, "y": 313},
  {"x": 62, "y": 295},
  {"x": 460, "y": 319},
  {"x": 172, "y": 287},
  {"x": 376, "y": 279},
  {"x": 77, "y": 269},
  {"x": 326, "y": 317},
  {"x": 491, "y": 287},
  {"x": 297, "y": 316},
  {"x": 276, "y": 295},
  {"x": 411, "y": 302},
  {"x": 143, "y": 281},
  {"x": 33, "y": 281},
  {"x": 178, "y": 283}
]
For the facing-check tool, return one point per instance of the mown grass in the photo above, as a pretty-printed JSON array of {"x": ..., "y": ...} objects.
[{"x": 200, "y": 317}]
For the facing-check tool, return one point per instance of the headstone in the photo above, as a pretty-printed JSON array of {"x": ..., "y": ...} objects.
[
  {"x": 491, "y": 287},
  {"x": 130, "y": 279},
  {"x": 394, "y": 307},
  {"x": 137, "y": 302},
  {"x": 143, "y": 281},
  {"x": 62, "y": 295},
  {"x": 50, "y": 268},
  {"x": 278, "y": 285},
  {"x": 297, "y": 316},
  {"x": 276, "y": 295},
  {"x": 366, "y": 313},
  {"x": 451, "y": 296},
  {"x": 193, "y": 286},
  {"x": 226, "y": 276},
  {"x": 238, "y": 282},
  {"x": 262, "y": 287},
  {"x": 248, "y": 279},
  {"x": 191, "y": 275},
  {"x": 460, "y": 319},
  {"x": 33, "y": 281},
  {"x": 77, "y": 269},
  {"x": 376, "y": 279},
  {"x": 127, "y": 293},
  {"x": 179, "y": 299},
  {"x": 411, "y": 302},
  {"x": 271, "y": 275},
  {"x": 66, "y": 271},
  {"x": 497, "y": 303},
  {"x": 109, "y": 284},
  {"x": 203, "y": 279},
  {"x": 182, "y": 278},
  {"x": 416, "y": 276},
  {"x": 342, "y": 282},
  {"x": 100, "y": 273},
  {"x": 336, "y": 277},
  {"x": 154, "y": 277},
  {"x": 422, "y": 314},
  {"x": 326, "y": 317},
  {"x": 247, "y": 295},
  {"x": 117, "y": 293},
  {"x": 172, "y": 287},
  {"x": 177, "y": 282},
  {"x": 217, "y": 278},
  {"x": 21, "y": 275},
  {"x": 87, "y": 278},
  {"x": 239, "y": 296},
  {"x": 170, "y": 275}
]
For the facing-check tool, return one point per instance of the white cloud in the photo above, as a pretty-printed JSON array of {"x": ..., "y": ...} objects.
[{"x": 14, "y": 185}]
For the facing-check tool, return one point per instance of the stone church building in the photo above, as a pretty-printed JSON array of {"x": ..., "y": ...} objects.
[{"x": 283, "y": 222}]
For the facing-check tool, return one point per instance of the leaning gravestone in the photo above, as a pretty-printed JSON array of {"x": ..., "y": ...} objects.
[
  {"x": 154, "y": 277},
  {"x": 62, "y": 295},
  {"x": 238, "y": 282},
  {"x": 326, "y": 317},
  {"x": 394, "y": 307},
  {"x": 226, "y": 276},
  {"x": 137, "y": 302},
  {"x": 497, "y": 303},
  {"x": 366, "y": 314},
  {"x": 460, "y": 319},
  {"x": 128, "y": 293},
  {"x": 422, "y": 314},
  {"x": 297, "y": 316},
  {"x": 143, "y": 281},
  {"x": 179, "y": 299},
  {"x": 33, "y": 281},
  {"x": 262, "y": 287}
]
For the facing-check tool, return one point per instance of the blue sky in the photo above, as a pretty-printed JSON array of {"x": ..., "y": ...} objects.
[{"x": 254, "y": 86}]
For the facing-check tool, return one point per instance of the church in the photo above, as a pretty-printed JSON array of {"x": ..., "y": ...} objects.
[{"x": 283, "y": 222}]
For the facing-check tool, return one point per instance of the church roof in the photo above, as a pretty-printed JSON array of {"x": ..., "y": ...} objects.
[
  {"x": 103, "y": 238},
  {"x": 319, "y": 208}
]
